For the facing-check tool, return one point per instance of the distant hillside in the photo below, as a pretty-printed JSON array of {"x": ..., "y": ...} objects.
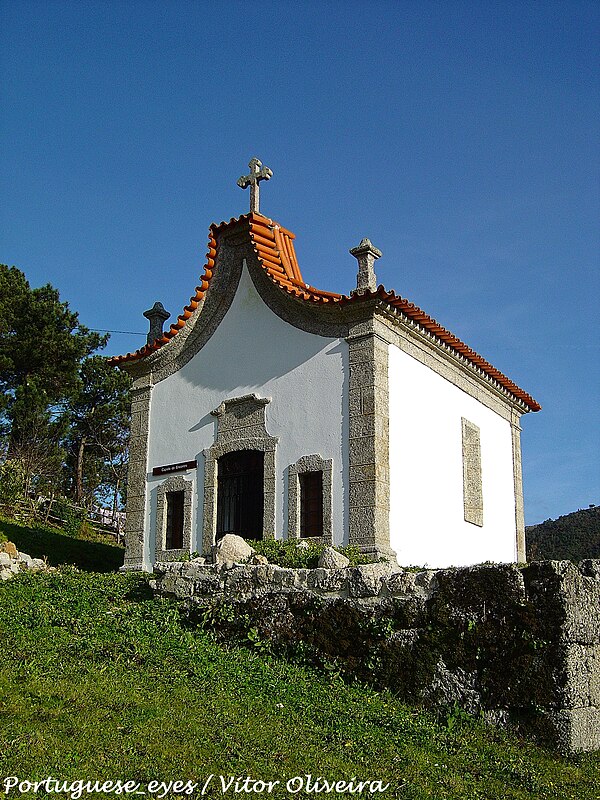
[{"x": 574, "y": 537}]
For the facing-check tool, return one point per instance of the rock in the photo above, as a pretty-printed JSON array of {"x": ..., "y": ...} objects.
[
  {"x": 366, "y": 580},
  {"x": 10, "y": 548},
  {"x": 5, "y": 574},
  {"x": 37, "y": 564},
  {"x": 4, "y": 560},
  {"x": 231, "y": 548},
  {"x": 198, "y": 560},
  {"x": 331, "y": 559},
  {"x": 26, "y": 559},
  {"x": 258, "y": 558}
]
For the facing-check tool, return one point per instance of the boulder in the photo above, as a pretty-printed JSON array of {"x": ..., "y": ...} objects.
[
  {"x": 37, "y": 564},
  {"x": 10, "y": 548},
  {"x": 4, "y": 560},
  {"x": 366, "y": 580},
  {"x": 26, "y": 559},
  {"x": 231, "y": 548},
  {"x": 331, "y": 559}
]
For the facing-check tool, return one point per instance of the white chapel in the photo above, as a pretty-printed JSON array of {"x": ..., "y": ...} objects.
[{"x": 271, "y": 408}]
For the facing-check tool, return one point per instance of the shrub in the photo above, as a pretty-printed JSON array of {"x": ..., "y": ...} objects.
[
  {"x": 73, "y": 518},
  {"x": 286, "y": 553}
]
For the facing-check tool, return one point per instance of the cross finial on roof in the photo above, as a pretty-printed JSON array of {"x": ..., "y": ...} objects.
[{"x": 257, "y": 173}]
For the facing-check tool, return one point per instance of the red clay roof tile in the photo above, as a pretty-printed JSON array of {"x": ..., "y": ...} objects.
[{"x": 274, "y": 248}]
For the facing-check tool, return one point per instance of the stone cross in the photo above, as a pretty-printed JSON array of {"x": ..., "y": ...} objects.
[
  {"x": 156, "y": 316},
  {"x": 365, "y": 254},
  {"x": 257, "y": 173}
]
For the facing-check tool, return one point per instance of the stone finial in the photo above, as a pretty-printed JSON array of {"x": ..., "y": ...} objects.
[
  {"x": 257, "y": 173},
  {"x": 365, "y": 254},
  {"x": 157, "y": 316}
]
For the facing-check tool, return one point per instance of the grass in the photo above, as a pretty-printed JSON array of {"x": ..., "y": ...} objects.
[
  {"x": 100, "y": 680},
  {"x": 96, "y": 553}
]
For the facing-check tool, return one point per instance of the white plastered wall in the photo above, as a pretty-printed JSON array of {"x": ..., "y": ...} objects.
[
  {"x": 253, "y": 351},
  {"x": 427, "y": 523}
]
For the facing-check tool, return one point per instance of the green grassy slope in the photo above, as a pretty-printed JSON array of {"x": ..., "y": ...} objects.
[{"x": 100, "y": 680}]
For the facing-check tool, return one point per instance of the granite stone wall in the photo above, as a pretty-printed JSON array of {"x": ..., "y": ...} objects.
[{"x": 519, "y": 644}]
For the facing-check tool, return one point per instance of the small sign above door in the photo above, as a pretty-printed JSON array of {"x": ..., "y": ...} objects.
[{"x": 167, "y": 469}]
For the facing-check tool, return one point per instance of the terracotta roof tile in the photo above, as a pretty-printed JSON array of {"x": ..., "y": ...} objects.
[{"x": 274, "y": 247}]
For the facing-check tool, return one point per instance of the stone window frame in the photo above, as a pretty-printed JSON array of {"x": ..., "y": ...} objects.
[
  {"x": 472, "y": 473},
  {"x": 312, "y": 463},
  {"x": 175, "y": 483},
  {"x": 241, "y": 425}
]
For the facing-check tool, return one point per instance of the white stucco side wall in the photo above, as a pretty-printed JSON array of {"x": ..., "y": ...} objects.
[
  {"x": 427, "y": 523},
  {"x": 253, "y": 351}
]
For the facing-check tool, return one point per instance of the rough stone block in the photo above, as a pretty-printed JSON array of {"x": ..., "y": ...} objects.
[
  {"x": 368, "y": 399},
  {"x": 362, "y": 450},
  {"x": 577, "y": 729},
  {"x": 594, "y": 667},
  {"x": 355, "y": 402},
  {"x": 360, "y": 352},
  {"x": 369, "y": 472},
  {"x": 362, "y": 425},
  {"x": 578, "y": 660},
  {"x": 403, "y": 584},
  {"x": 207, "y": 584},
  {"x": 301, "y": 578},
  {"x": 182, "y": 587},
  {"x": 361, "y": 525},
  {"x": 136, "y": 503},
  {"x": 361, "y": 374},
  {"x": 240, "y": 580},
  {"x": 366, "y": 580},
  {"x": 331, "y": 559},
  {"x": 328, "y": 580},
  {"x": 264, "y": 576},
  {"x": 363, "y": 494}
]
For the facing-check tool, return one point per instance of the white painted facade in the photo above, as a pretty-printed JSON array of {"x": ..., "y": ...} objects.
[
  {"x": 427, "y": 525},
  {"x": 253, "y": 351}
]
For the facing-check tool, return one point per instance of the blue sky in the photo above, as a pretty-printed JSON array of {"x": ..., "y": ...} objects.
[{"x": 461, "y": 137}]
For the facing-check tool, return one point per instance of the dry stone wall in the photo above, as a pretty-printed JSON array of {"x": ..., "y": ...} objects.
[{"x": 519, "y": 644}]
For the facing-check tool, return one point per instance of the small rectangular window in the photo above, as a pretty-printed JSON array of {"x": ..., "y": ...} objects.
[
  {"x": 174, "y": 521},
  {"x": 472, "y": 480},
  {"x": 311, "y": 504}
]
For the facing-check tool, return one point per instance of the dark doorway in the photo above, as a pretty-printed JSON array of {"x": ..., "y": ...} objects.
[{"x": 240, "y": 494}]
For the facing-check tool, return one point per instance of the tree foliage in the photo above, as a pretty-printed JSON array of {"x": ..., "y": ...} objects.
[
  {"x": 63, "y": 411},
  {"x": 42, "y": 343},
  {"x": 98, "y": 428},
  {"x": 572, "y": 537}
]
